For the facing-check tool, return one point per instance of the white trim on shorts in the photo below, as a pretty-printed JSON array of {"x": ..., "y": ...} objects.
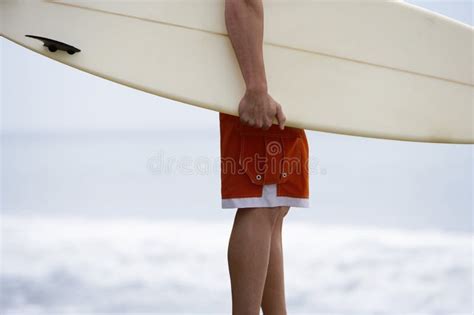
[{"x": 269, "y": 198}]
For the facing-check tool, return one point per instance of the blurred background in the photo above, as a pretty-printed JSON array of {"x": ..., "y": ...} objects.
[{"x": 110, "y": 203}]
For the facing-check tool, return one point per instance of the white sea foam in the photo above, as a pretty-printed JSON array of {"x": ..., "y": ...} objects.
[{"x": 130, "y": 266}]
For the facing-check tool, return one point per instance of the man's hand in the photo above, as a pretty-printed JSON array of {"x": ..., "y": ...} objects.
[{"x": 258, "y": 109}]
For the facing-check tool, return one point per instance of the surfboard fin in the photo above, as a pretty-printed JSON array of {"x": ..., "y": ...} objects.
[{"x": 54, "y": 45}]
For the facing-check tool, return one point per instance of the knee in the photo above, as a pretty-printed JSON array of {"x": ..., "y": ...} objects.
[
  {"x": 281, "y": 212},
  {"x": 272, "y": 215},
  {"x": 277, "y": 214},
  {"x": 284, "y": 211}
]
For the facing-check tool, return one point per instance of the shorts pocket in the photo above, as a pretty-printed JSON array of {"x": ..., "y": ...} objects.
[
  {"x": 252, "y": 159},
  {"x": 270, "y": 158},
  {"x": 292, "y": 162}
]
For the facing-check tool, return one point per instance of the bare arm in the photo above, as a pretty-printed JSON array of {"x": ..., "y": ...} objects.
[{"x": 244, "y": 21}]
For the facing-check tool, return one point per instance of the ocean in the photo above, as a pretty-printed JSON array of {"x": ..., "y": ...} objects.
[{"x": 78, "y": 265}]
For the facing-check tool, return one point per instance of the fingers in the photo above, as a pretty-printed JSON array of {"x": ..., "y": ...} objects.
[
  {"x": 267, "y": 124},
  {"x": 248, "y": 122},
  {"x": 280, "y": 117},
  {"x": 259, "y": 122},
  {"x": 248, "y": 119},
  {"x": 244, "y": 115},
  {"x": 262, "y": 123},
  {"x": 245, "y": 119},
  {"x": 260, "y": 113}
]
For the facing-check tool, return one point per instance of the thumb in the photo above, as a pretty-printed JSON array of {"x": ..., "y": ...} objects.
[{"x": 280, "y": 117}]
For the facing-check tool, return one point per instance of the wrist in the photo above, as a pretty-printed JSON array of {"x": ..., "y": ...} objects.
[{"x": 260, "y": 88}]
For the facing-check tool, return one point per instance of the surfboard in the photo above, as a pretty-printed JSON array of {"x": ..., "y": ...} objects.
[{"x": 375, "y": 69}]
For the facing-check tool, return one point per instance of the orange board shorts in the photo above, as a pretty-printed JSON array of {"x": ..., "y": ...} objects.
[{"x": 263, "y": 168}]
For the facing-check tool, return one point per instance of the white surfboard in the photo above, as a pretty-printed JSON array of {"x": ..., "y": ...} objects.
[{"x": 373, "y": 68}]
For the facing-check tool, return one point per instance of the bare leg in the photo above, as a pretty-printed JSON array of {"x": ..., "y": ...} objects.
[
  {"x": 248, "y": 257},
  {"x": 273, "y": 302}
]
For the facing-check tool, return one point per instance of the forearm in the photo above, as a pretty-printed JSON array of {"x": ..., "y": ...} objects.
[{"x": 244, "y": 21}]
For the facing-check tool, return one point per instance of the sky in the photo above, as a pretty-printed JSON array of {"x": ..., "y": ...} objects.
[
  {"x": 380, "y": 180},
  {"x": 460, "y": 10}
]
